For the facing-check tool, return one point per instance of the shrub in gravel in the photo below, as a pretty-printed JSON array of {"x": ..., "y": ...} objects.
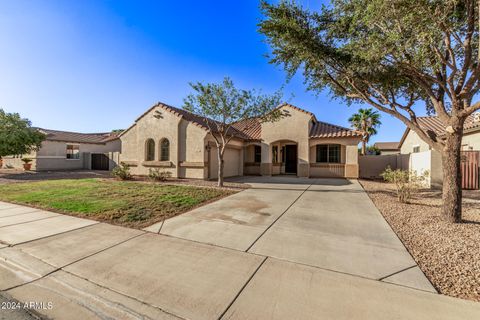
[
  {"x": 158, "y": 175},
  {"x": 122, "y": 172},
  {"x": 406, "y": 181}
]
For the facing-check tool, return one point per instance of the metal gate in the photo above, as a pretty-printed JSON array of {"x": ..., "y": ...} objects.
[
  {"x": 470, "y": 162},
  {"x": 100, "y": 161}
]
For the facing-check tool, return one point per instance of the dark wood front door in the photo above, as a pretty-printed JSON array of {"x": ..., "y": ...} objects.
[
  {"x": 290, "y": 159},
  {"x": 99, "y": 161}
]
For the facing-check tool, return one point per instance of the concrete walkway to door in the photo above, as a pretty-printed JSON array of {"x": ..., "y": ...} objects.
[{"x": 326, "y": 223}]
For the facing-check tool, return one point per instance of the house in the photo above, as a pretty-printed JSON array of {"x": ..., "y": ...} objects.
[
  {"x": 411, "y": 142},
  {"x": 178, "y": 141},
  {"x": 422, "y": 157},
  {"x": 386, "y": 148},
  {"x": 64, "y": 150}
]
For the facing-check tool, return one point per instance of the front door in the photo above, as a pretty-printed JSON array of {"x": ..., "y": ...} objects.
[{"x": 291, "y": 159}]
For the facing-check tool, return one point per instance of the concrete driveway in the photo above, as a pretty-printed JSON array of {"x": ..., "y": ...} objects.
[
  {"x": 286, "y": 249},
  {"x": 326, "y": 223}
]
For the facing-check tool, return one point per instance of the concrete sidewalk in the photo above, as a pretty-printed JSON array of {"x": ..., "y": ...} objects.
[{"x": 90, "y": 270}]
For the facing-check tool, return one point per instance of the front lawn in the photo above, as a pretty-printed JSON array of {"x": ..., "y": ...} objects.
[{"x": 131, "y": 204}]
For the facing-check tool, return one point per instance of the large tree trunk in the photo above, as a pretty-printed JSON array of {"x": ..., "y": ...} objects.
[
  {"x": 364, "y": 147},
  {"x": 452, "y": 177},
  {"x": 220, "y": 167}
]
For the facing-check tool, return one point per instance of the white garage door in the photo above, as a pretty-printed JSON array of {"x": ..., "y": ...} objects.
[{"x": 232, "y": 163}]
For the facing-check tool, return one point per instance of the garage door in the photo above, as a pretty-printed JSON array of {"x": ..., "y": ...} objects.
[{"x": 232, "y": 163}]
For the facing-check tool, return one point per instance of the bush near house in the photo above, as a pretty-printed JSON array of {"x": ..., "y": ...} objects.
[
  {"x": 122, "y": 172},
  {"x": 158, "y": 175},
  {"x": 406, "y": 182}
]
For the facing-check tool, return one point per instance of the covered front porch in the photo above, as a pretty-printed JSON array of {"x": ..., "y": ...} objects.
[
  {"x": 278, "y": 158},
  {"x": 331, "y": 158}
]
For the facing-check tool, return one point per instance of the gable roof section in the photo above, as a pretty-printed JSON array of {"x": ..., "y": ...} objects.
[
  {"x": 187, "y": 116},
  {"x": 387, "y": 145},
  {"x": 66, "y": 136},
  {"x": 327, "y": 130},
  {"x": 251, "y": 129},
  {"x": 433, "y": 126}
]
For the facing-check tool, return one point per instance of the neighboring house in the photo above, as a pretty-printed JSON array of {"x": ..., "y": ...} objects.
[
  {"x": 178, "y": 141},
  {"x": 422, "y": 157},
  {"x": 387, "y": 148},
  {"x": 71, "y": 151},
  {"x": 411, "y": 142}
]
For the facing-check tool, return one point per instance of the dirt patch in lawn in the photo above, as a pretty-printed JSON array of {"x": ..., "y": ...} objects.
[
  {"x": 448, "y": 254},
  {"x": 125, "y": 203}
]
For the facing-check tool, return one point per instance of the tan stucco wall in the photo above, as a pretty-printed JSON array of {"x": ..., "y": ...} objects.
[
  {"x": 295, "y": 128},
  {"x": 349, "y": 158},
  {"x": 233, "y": 159},
  {"x": 156, "y": 124},
  {"x": 412, "y": 139},
  {"x": 191, "y": 155},
  {"x": 471, "y": 141},
  {"x": 389, "y": 152}
]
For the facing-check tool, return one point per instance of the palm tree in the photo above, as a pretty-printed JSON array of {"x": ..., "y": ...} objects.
[{"x": 366, "y": 121}]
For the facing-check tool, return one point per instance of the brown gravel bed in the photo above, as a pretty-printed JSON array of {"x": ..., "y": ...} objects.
[{"x": 448, "y": 254}]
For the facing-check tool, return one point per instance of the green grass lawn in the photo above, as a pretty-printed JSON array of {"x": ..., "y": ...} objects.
[{"x": 127, "y": 203}]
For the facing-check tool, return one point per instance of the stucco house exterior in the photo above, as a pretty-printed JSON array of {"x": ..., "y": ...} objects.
[
  {"x": 178, "y": 141},
  {"x": 64, "y": 150},
  {"x": 422, "y": 157}
]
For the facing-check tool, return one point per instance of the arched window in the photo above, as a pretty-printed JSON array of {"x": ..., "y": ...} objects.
[
  {"x": 164, "y": 150},
  {"x": 150, "y": 150}
]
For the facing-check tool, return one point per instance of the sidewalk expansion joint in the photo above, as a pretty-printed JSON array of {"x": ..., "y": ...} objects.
[{"x": 242, "y": 288}]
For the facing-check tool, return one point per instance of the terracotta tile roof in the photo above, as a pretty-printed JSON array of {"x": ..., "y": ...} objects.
[
  {"x": 66, "y": 136},
  {"x": 387, "y": 145},
  {"x": 200, "y": 121},
  {"x": 252, "y": 128},
  {"x": 296, "y": 108},
  {"x": 326, "y": 130},
  {"x": 434, "y": 125}
]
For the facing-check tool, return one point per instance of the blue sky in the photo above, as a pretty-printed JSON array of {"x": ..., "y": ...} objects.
[{"x": 93, "y": 66}]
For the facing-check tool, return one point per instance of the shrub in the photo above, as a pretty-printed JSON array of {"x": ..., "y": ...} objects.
[
  {"x": 406, "y": 181},
  {"x": 122, "y": 172},
  {"x": 158, "y": 175},
  {"x": 26, "y": 160}
]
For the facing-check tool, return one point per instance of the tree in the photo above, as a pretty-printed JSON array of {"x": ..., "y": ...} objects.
[
  {"x": 17, "y": 137},
  {"x": 392, "y": 55},
  {"x": 222, "y": 105},
  {"x": 366, "y": 121}
]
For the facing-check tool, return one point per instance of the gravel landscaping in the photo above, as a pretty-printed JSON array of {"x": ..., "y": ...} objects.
[{"x": 448, "y": 254}]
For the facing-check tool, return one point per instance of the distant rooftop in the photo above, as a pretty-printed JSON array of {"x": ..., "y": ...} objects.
[
  {"x": 66, "y": 136},
  {"x": 387, "y": 145}
]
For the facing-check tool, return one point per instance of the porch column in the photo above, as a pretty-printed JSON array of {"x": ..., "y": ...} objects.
[
  {"x": 351, "y": 161},
  {"x": 303, "y": 164},
  {"x": 266, "y": 164}
]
